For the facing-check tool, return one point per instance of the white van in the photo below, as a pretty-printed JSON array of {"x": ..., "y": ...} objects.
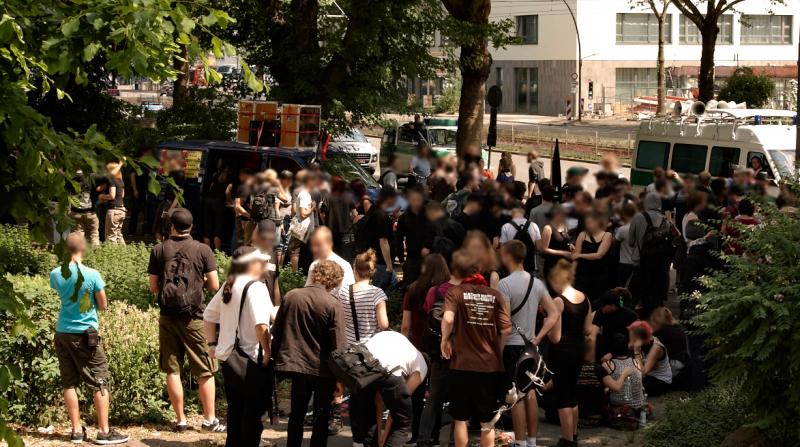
[
  {"x": 355, "y": 144},
  {"x": 717, "y": 141}
]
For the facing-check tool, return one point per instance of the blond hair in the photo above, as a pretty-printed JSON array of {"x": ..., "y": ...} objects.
[
  {"x": 662, "y": 316},
  {"x": 563, "y": 268},
  {"x": 364, "y": 265}
]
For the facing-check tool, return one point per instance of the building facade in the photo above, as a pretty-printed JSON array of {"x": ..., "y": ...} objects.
[{"x": 619, "y": 45}]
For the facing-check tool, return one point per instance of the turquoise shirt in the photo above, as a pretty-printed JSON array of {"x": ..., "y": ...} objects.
[{"x": 70, "y": 319}]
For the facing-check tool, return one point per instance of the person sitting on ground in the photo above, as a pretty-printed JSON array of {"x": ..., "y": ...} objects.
[
  {"x": 676, "y": 342},
  {"x": 613, "y": 317},
  {"x": 624, "y": 380},
  {"x": 651, "y": 358},
  {"x": 81, "y": 357}
]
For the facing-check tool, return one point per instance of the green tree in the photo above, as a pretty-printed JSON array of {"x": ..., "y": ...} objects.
[
  {"x": 659, "y": 9},
  {"x": 746, "y": 86},
  {"x": 47, "y": 47},
  {"x": 706, "y": 14},
  {"x": 749, "y": 319}
]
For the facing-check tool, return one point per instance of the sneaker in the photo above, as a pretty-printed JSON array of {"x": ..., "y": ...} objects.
[
  {"x": 180, "y": 426},
  {"x": 334, "y": 427},
  {"x": 214, "y": 426},
  {"x": 78, "y": 437},
  {"x": 112, "y": 437}
]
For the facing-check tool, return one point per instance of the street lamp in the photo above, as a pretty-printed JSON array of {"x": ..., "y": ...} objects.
[{"x": 580, "y": 61}]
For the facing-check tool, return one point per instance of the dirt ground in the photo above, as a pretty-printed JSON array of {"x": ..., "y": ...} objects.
[{"x": 275, "y": 436}]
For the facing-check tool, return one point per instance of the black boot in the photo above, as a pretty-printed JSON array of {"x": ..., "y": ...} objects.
[{"x": 564, "y": 443}]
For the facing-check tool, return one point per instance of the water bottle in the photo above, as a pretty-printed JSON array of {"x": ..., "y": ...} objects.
[
  {"x": 643, "y": 413},
  {"x": 628, "y": 389}
]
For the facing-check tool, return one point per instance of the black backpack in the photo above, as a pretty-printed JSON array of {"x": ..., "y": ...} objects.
[
  {"x": 525, "y": 237},
  {"x": 354, "y": 366},
  {"x": 262, "y": 205},
  {"x": 432, "y": 338},
  {"x": 658, "y": 245},
  {"x": 179, "y": 295}
]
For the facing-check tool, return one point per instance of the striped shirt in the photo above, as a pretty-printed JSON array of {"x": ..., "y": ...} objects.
[{"x": 366, "y": 301}]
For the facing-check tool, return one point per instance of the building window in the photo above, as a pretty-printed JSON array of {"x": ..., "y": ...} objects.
[
  {"x": 690, "y": 34},
  {"x": 526, "y": 81},
  {"x": 642, "y": 28},
  {"x": 633, "y": 82},
  {"x": 498, "y": 76},
  {"x": 528, "y": 29},
  {"x": 767, "y": 30}
]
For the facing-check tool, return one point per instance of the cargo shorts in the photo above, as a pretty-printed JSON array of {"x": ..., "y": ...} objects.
[
  {"x": 180, "y": 338},
  {"x": 77, "y": 362}
]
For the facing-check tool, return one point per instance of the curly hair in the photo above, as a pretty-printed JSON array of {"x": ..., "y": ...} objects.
[{"x": 328, "y": 274}]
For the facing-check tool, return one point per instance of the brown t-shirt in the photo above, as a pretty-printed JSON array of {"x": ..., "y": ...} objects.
[{"x": 481, "y": 314}]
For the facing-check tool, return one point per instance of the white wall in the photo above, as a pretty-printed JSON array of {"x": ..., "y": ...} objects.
[{"x": 556, "y": 31}]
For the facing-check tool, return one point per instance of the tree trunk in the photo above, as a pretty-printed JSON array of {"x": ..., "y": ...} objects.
[
  {"x": 705, "y": 80},
  {"x": 661, "y": 67},
  {"x": 180, "y": 87},
  {"x": 476, "y": 63}
]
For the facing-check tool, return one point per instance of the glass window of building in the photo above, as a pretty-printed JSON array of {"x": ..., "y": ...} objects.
[
  {"x": 690, "y": 34},
  {"x": 642, "y": 28},
  {"x": 528, "y": 29},
  {"x": 767, "y": 30}
]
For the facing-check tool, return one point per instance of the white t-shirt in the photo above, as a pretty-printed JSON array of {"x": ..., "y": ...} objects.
[
  {"x": 347, "y": 279},
  {"x": 257, "y": 309},
  {"x": 508, "y": 232},
  {"x": 304, "y": 201},
  {"x": 394, "y": 350}
]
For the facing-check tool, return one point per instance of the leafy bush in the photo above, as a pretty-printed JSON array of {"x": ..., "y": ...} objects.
[
  {"x": 746, "y": 86},
  {"x": 701, "y": 421},
  {"x": 749, "y": 319},
  {"x": 130, "y": 337},
  {"x": 449, "y": 100},
  {"x": 124, "y": 269},
  {"x": 27, "y": 350},
  {"x": 19, "y": 254},
  {"x": 290, "y": 279}
]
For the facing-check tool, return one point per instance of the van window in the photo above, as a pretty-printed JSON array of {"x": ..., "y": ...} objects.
[
  {"x": 722, "y": 159},
  {"x": 688, "y": 158},
  {"x": 388, "y": 135},
  {"x": 764, "y": 166},
  {"x": 279, "y": 163},
  {"x": 652, "y": 154},
  {"x": 407, "y": 135}
]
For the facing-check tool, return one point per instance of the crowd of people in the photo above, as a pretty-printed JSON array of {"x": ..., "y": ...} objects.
[{"x": 489, "y": 268}]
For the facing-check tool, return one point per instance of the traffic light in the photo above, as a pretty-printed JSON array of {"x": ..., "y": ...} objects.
[{"x": 591, "y": 89}]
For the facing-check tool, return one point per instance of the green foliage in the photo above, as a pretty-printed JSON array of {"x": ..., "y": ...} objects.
[
  {"x": 700, "y": 421},
  {"x": 130, "y": 337},
  {"x": 451, "y": 96},
  {"x": 124, "y": 269},
  {"x": 290, "y": 279},
  {"x": 745, "y": 86},
  {"x": 27, "y": 351},
  {"x": 19, "y": 254},
  {"x": 203, "y": 114},
  {"x": 749, "y": 319}
]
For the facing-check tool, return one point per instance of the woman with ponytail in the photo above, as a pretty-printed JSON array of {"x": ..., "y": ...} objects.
[{"x": 237, "y": 331}]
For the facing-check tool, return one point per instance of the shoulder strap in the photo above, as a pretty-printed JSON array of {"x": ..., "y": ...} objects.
[
  {"x": 353, "y": 312},
  {"x": 241, "y": 307},
  {"x": 517, "y": 227},
  {"x": 648, "y": 219},
  {"x": 525, "y": 299}
]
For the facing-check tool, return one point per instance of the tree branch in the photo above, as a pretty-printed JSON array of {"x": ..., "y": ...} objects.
[{"x": 689, "y": 9}]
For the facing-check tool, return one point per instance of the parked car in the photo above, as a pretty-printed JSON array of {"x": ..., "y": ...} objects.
[{"x": 355, "y": 144}]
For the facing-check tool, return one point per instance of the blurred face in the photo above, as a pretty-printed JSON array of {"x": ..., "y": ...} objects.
[
  {"x": 256, "y": 268},
  {"x": 558, "y": 218},
  {"x": 475, "y": 248},
  {"x": 591, "y": 224},
  {"x": 755, "y": 163},
  {"x": 415, "y": 200},
  {"x": 321, "y": 246},
  {"x": 655, "y": 325},
  {"x": 505, "y": 258},
  {"x": 264, "y": 241},
  {"x": 434, "y": 214}
]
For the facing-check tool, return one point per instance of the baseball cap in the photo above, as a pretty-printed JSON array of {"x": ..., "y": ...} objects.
[
  {"x": 181, "y": 219},
  {"x": 577, "y": 170},
  {"x": 247, "y": 254}
]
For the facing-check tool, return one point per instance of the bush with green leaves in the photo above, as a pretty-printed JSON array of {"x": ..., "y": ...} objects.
[
  {"x": 124, "y": 269},
  {"x": 749, "y": 318},
  {"x": 290, "y": 279},
  {"x": 746, "y": 86},
  {"x": 703, "y": 420},
  {"x": 19, "y": 254}
]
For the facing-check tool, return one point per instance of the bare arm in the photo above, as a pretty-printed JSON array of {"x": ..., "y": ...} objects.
[
  {"x": 405, "y": 326},
  {"x": 605, "y": 245},
  {"x": 652, "y": 358},
  {"x": 155, "y": 287},
  {"x": 381, "y": 316},
  {"x": 547, "y": 233},
  {"x": 555, "y": 332},
  {"x": 587, "y": 322},
  {"x": 212, "y": 281},
  {"x": 210, "y": 331},
  {"x": 550, "y": 320},
  {"x": 447, "y": 328},
  {"x": 101, "y": 300},
  {"x": 579, "y": 246},
  {"x": 386, "y": 253},
  {"x": 413, "y": 381},
  {"x": 238, "y": 208},
  {"x": 262, "y": 333},
  {"x": 276, "y": 294},
  {"x": 619, "y": 383}
]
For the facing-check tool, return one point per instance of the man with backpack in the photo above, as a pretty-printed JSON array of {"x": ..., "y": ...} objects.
[
  {"x": 180, "y": 269},
  {"x": 524, "y": 293},
  {"x": 524, "y": 231},
  {"x": 84, "y": 213},
  {"x": 652, "y": 237},
  {"x": 264, "y": 198},
  {"x": 475, "y": 324}
]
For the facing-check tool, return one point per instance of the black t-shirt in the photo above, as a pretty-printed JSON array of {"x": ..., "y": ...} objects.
[
  {"x": 119, "y": 184},
  {"x": 413, "y": 229},
  {"x": 376, "y": 226},
  {"x": 469, "y": 221},
  {"x": 674, "y": 340},
  {"x": 613, "y": 323},
  {"x": 200, "y": 256},
  {"x": 589, "y": 390}
]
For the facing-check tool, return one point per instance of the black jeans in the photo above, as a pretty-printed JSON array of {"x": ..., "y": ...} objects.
[
  {"x": 303, "y": 387},
  {"x": 431, "y": 418},
  {"x": 247, "y": 399},
  {"x": 396, "y": 399}
]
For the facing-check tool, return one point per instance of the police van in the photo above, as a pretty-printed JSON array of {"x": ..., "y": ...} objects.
[{"x": 717, "y": 139}]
